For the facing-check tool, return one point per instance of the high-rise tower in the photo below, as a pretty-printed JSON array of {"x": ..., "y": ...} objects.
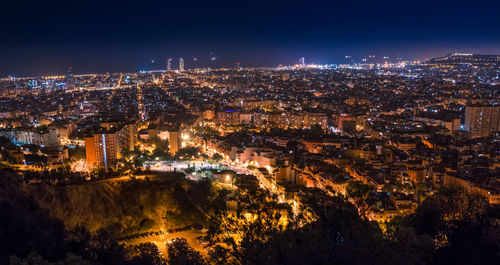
[
  {"x": 169, "y": 64},
  {"x": 69, "y": 78},
  {"x": 102, "y": 149},
  {"x": 181, "y": 64}
]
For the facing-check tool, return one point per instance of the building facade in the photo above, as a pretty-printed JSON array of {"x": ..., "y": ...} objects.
[{"x": 480, "y": 121}]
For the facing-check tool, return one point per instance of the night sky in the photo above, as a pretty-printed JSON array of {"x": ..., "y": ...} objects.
[{"x": 45, "y": 37}]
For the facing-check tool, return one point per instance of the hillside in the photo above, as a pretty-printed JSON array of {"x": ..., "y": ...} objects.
[
  {"x": 24, "y": 227},
  {"x": 126, "y": 207}
]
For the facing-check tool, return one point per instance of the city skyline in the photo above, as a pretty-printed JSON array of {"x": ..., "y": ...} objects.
[
  {"x": 127, "y": 37},
  {"x": 249, "y": 133},
  {"x": 166, "y": 64}
]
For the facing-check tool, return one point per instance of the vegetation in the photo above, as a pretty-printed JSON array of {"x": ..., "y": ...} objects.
[
  {"x": 206, "y": 130},
  {"x": 162, "y": 150},
  {"x": 217, "y": 157},
  {"x": 180, "y": 253},
  {"x": 362, "y": 195},
  {"x": 450, "y": 227},
  {"x": 77, "y": 153},
  {"x": 317, "y": 130},
  {"x": 125, "y": 205},
  {"x": 188, "y": 153}
]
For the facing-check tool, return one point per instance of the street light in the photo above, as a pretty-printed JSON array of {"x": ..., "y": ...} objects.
[{"x": 228, "y": 179}]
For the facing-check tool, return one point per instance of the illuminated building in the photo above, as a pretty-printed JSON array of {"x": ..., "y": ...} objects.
[
  {"x": 315, "y": 145},
  {"x": 480, "y": 121},
  {"x": 105, "y": 146},
  {"x": 173, "y": 141},
  {"x": 49, "y": 138},
  {"x": 44, "y": 138},
  {"x": 127, "y": 133},
  {"x": 102, "y": 149},
  {"x": 169, "y": 64},
  {"x": 229, "y": 116},
  {"x": 69, "y": 78},
  {"x": 302, "y": 61},
  {"x": 208, "y": 114},
  {"x": 181, "y": 64},
  {"x": 285, "y": 76}
]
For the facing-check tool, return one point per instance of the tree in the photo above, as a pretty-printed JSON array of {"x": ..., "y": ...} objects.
[
  {"x": 147, "y": 223},
  {"x": 445, "y": 210},
  {"x": 180, "y": 253},
  {"x": 188, "y": 152},
  {"x": 216, "y": 157},
  {"x": 34, "y": 259},
  {"x": 362, "y": 195},
  {"x": 162, "y": 149},
  {"x": 338, "y": 236},
  {"x": 317, "y": 130},
  {"x": 258, "y": 220},
  {"x": 206, "y": 131},
  {"x": 447, "y": 213},
  {"x": 77, "y": 153},
  {"x": 220, "y": 255},
  {"x": 145, "y": 254},
  {"x": 452, "y": 226},
  {"x": 295, "y": 146},
  {"x": 388, "y": 187}
]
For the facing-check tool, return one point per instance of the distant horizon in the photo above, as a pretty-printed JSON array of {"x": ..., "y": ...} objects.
[
  {"x": 41, "y": 38},
  {"x": 199, "y": 64}
]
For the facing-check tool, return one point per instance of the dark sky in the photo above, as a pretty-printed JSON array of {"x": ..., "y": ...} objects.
[{"x": 45, "y": 37}]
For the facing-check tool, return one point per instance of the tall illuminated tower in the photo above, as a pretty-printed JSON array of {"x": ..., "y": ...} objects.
[
  {"x": 102, "y": 149},
  {"x": 302, "y": 61},
  {"x": 169, "y": 64},
  {"x": 69, "y": 78},
  {"x": 181, "y": 64}
]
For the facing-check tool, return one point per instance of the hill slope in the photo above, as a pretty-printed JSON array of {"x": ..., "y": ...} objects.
[{"x": 127, "y": 207}]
